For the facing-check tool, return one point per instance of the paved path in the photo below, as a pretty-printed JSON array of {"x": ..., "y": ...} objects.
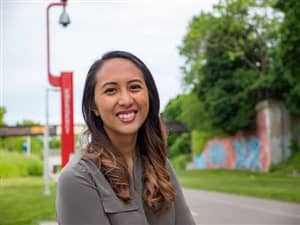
[{"x": 219, "y": 208}]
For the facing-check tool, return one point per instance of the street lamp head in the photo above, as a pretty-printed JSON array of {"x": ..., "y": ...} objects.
[{"x": 64, "y": 18}]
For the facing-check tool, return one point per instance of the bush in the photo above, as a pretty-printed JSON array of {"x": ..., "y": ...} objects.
[
  {"x": 19, "y": 165},
  {"x": 14, "y": 144},
  {"x": 181, "y": 144},
  {"x": 179, "y": 162},
  {"x": 294, "y": 146}
]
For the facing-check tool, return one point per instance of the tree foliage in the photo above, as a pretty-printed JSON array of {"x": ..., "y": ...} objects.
[
  {"x": 187, "y": 109},
  {"x": 242, "y": 52},
  {"x": 180, "y": 145},
  {"x": 27, "y": 122},
  {"x": 14, "y": 144},
  {"x": 229, "y": 58},
  {"x": 2, "y": 114},
  {"x": 288, "y": 53}
]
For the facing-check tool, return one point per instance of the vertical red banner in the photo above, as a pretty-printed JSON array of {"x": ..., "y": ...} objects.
[{"x": 67, "y": 129}]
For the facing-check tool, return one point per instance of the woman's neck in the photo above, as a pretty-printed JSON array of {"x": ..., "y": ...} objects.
[{"x": 126, "y": 145}]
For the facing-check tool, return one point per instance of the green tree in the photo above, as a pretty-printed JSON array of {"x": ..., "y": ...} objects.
[
  {"x": 14, "y": 144},
  {"x": 228, "y": 60},
  {"x": 27, "y": 122},
  {"x": 178, "y": 143},
  {"x": 2, "y": 114},
  {"x": 181, "y": 145},
  {"x": 54, "y": 143},
  {"x": 173, "y": 109},
  {"x": 188, "y": 110},
  {"x": 288, "y": 53}
]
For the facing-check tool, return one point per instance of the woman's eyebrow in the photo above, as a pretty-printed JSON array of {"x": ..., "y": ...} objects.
[
  {"x": 135, "y": 80},
  {"x": 109, "y": 83},
  {"x": 115, "y": 83}
]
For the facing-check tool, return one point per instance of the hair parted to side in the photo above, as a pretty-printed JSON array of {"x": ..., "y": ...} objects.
[{"x": 158, "y": 191}]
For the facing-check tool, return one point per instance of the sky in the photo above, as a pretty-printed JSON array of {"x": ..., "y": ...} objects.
[{"x": 151, "y": 29}]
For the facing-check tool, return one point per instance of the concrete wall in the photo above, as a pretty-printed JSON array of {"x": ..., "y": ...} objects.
[
  {"x": 241, "y": 151},
  {"x": 252, "y": 150},
  {"x": 278, "y": 129}
]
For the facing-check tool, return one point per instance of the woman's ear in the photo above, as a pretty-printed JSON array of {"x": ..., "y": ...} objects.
[
  {"x": 94, "y": 109},
  {"x": 96, "y": 112}
]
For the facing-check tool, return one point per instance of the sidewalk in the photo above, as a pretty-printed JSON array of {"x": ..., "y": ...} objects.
[
  {"x": 220, "y": 208},
  {"x": 48, "y": 223}
]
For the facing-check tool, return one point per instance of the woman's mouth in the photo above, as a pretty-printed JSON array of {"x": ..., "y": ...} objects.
[{"x": 127, "y": 117}]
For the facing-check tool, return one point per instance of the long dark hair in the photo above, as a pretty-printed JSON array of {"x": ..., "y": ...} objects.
[{"x": 158, "y": 191}]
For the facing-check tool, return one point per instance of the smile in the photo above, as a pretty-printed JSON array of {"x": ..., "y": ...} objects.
[{"x": 127, "y": 117}]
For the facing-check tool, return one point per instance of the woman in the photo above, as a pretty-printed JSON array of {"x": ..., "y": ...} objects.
[{"x": 123, "y": 176}]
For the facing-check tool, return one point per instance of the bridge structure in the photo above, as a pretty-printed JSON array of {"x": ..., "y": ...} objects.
[{"x": 37, "y": 130}]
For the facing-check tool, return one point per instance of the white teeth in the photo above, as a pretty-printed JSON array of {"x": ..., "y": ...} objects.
[{"x": 126, "y": 116}]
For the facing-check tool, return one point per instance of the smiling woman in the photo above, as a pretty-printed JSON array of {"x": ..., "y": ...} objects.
[
  {"x": 122, "y": 175},
  {"x": 121, "y": 99}
]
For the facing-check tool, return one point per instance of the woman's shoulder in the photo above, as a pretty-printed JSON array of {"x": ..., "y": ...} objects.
[
  {"x": 78, "y": 169},
  {"x": 169, "y": 166}
]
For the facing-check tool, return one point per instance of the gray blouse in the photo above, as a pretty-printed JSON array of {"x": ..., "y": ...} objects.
[{"x": 84, "y": 197}]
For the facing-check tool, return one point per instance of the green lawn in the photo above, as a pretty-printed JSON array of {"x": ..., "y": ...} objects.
[
  {"x": 263, "y": 185},
  {"x": 289, "y": 167},
  {"x": 22, "y": 201}
]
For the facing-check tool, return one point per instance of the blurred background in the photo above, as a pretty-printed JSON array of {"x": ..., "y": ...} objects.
[{"x": 227, "y": 73}]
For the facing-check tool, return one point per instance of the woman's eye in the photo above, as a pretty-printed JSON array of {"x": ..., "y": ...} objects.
[
  {"x": 109, "y": 90},
  {"x": 135, "y": 87}
]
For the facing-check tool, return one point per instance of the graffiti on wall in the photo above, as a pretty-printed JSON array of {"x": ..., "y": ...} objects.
[
  {"x": 234, "y": 152},
  {"x": 249, "y": 151}
]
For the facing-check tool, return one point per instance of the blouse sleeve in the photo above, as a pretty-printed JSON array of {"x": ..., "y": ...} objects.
[
  {"x": 77, "y": 200},
  {"x": 182, "y": 212}
]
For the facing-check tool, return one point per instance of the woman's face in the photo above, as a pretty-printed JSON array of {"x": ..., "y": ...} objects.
[{"x": 121, "y": 97}]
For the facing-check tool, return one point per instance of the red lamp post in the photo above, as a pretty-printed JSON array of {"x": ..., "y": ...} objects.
[{"x": 65, "y": 82}]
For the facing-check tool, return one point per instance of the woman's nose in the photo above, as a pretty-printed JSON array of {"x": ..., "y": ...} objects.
[{"x": 125, "y": 98}]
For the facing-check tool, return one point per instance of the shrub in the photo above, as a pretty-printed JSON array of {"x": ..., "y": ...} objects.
[
  {"x": 19, "y": 165},
  {"x": 179, "y": 145},
  {"x": 14, "y": 144},
  {"x": 179, "y": 162}
]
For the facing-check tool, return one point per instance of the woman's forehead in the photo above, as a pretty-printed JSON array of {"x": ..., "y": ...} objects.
[{"x": 118, "y": 69}]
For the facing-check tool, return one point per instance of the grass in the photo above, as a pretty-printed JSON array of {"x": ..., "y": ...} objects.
[
  {"x": 262, "y": 185},
  {"x": 281, "y": 183},
  {"x": 22, "y": 201},
  {"x": 289, "y": 167},
  {"x": 14, "y": 164}
]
